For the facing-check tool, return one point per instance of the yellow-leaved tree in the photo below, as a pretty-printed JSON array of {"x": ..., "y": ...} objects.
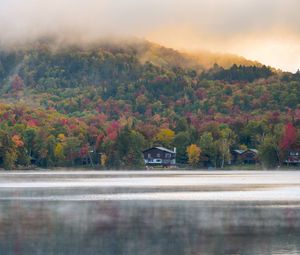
[
  {"x": 103, "y": 159},
  {"x": 61, "y": 138},
  {"x": 194, "y": 153},
  {"x": 165, "y": 136},
  {"x": 59, "y": 152}
]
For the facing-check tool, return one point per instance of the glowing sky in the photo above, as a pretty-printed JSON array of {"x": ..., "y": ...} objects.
[{"x": 263, "y": 30}]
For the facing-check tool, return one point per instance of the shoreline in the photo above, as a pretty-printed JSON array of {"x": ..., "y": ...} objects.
[{"x": 161, "y": 170}]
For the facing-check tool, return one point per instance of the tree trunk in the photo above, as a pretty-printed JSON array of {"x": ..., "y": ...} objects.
[{"x": 223, "y": 160}]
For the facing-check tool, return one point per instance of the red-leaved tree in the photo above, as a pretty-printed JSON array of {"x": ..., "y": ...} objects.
[{"x": 289, "y": 136}]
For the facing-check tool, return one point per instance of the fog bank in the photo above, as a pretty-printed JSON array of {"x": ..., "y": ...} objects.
[{"x": 267, "y": 31}]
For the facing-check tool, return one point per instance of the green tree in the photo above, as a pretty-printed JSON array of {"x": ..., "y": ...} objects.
[
  {"x": 129, "y": 147},
  {"x": 181, "y": 125},
  {"x": 29, "y": 140},
  {"x": 268, "y": 152},
  {"x": 227, "y": 138},
  {"x": 10, "y": 158},
  {"x": 181, "y": 141},
  {"x": 8, "y": 151},
  {"x": 209, "y": 147},
  {"x": 23, "y": 157}
]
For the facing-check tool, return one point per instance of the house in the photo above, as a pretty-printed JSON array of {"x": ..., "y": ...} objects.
[
  {"x": 249, "y": 156},
  {"x": 160, "y": 156},
  {"x": 293, "y": 157}
]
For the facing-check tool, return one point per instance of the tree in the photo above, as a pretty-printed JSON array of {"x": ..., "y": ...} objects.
[
  {"x": 29, "y": 140},
  {"x": 103, "y": 160},
  {"x": 165, "y": 136},
  {"x": 23, "y": 159},
  {"x": 181, "y": 125},
  {"x": 71, "y": 146},
  {"x": 8, "y": 151},
  {"x": 268, "y": 152},
  {"x": 39, "y": 146},
  {"x": 17, "y": 141},
  {"x": 193, "y": 152},
  {"x": 10, "y": 158},
  {"x": 129, "y": 148},
  {"x": 209, "y": 147},
  {"x": 181, "y": 141},
  {"x": 17, "y": 83},
  {"x": 227, "y": 138},
  {"x": 289, "y": 136},
  {"x": 59, "y": 152},
  {"x": 252, "y": 133},
  {"x": 61, "y": 138}
]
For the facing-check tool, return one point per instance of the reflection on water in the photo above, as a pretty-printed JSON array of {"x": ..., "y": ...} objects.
[{"x": 150, "y": 213}]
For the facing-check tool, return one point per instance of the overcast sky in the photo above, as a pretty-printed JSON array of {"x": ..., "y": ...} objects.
[{"x": 264, "y": 30}]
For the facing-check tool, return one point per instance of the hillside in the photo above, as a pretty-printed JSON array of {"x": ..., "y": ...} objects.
[
  {"x": 69, "y": 98},
  {"x": 201, "y": 60},
  {"x": 207, "y": 59}
]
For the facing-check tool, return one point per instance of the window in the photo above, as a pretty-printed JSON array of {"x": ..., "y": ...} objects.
[
  {"x": 158, "y": 155},
  {"x": 149, "y": 155},
  {"x": 168, "y": 155}
]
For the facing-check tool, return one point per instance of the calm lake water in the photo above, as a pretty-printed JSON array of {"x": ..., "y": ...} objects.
[{"x": 151, "y": 213}]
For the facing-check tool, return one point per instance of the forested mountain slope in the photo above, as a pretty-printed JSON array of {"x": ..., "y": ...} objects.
[{"x": 95, "y": 96}]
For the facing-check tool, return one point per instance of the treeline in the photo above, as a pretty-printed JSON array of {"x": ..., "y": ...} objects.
[
  {"x": 238, "y": 73},
  {"x": 288, "y": 77},
  {"x": 48, "y": 139}
]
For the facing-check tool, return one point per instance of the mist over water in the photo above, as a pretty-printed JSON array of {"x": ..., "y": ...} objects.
[{"x": 150, "y": 213}]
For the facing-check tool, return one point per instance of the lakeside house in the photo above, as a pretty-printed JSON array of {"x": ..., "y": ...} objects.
[
  {"x": 249, "y": 156},
  {"x": 293, "y": 157},
  {"x": 160, "y": 156}
]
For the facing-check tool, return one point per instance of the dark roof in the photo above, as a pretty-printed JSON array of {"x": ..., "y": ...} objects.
[{"x": 161, "y": 149}]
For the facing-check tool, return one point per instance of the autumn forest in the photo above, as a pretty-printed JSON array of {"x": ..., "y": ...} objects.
[{"x": 104, "y": 103}]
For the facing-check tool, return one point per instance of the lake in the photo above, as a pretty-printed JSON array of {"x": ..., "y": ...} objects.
[{"x": 149, "y": 212}]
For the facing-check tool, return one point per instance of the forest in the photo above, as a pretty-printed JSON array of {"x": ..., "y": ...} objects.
[{"x": 66, "y": 105}]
